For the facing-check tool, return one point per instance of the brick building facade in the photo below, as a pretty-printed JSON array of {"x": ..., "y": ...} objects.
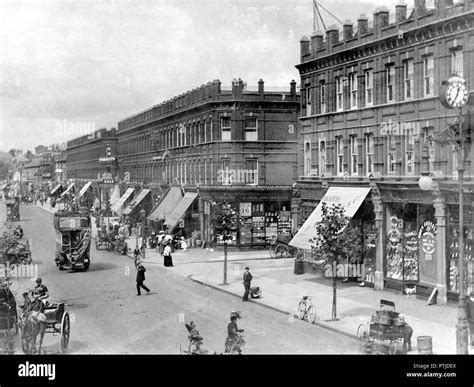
[
  {"x": 236, "y": 144},
  {"x": 370, "y": 114}
]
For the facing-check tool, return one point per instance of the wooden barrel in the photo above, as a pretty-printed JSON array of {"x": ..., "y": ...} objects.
[{"x": 425, "y": 345}]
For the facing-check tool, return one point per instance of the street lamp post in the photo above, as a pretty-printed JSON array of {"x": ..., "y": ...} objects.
[
  {"x": 462, "y": 325},
  {"x": 142, "y": 216},
  {"x": 426, "y": 183}
]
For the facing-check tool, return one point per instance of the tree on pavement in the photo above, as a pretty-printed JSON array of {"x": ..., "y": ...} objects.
[
  {"x": 223, "y": 221},
  {"x": 335, "y": 242}
]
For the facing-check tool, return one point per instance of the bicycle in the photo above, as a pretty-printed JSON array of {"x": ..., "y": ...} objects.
[{"x": 306, "y": 310}]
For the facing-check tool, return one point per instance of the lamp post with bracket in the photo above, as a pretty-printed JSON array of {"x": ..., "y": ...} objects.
[{"x": 454, "y": 94}]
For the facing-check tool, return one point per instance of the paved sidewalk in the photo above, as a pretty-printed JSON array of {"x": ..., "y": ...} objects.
[{"x": 282, "y": 290}]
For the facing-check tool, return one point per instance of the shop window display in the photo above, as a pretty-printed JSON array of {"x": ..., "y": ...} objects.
[
  {"x": 402, "y": 243},
  {"x": 453, "y": 251}
]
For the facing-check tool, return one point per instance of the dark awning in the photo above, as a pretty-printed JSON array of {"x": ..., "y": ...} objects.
[
  {"x": 84, "y": 189},
  {"x": 56, "y": 190},
  {"x": 68, "y": 190}
]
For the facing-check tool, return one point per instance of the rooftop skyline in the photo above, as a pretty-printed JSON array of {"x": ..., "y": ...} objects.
[{"x": 68, "y": 68}]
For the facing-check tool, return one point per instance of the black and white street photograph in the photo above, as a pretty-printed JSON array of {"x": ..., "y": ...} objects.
[{"x": 237, "y": 177}]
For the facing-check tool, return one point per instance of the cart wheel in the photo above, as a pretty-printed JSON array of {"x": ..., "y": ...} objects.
[
  {"x": 281, "y": 251},
  {"x": 311, "y": 314},
  {"x": 65, "y": 332},
  {"x": 393, "y": 346},
  {"x": 363, "y": 335},
  {"x": 301, "y": 310}
]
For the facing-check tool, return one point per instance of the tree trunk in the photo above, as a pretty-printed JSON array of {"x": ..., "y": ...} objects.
[
  {"x": 334, "y": 283},
  {"x": 225, "y": 262}
]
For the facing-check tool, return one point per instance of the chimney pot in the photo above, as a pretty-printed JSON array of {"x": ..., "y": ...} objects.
[{"x": 260, "y": 87}]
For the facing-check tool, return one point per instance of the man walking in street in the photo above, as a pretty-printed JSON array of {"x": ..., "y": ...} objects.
[
  {"x": 247, "y": 280},
  {"x": 141, "y": 278}
]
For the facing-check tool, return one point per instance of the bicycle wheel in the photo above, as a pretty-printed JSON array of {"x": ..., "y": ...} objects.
[
  {"x": 311, "y": 314},
  {"x": 363, "y": 335},
  {"x": 301, "y": 310}
]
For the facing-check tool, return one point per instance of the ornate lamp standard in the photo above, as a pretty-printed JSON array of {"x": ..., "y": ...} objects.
[
  {"x": 142, "y": 227},
  {"x": 454, "y": 94}
]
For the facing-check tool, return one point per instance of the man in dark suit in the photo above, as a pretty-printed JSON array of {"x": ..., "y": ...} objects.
[
  {"x": 141, "y": 278},
  {"x": 470, "y": 317},
  {"x": 247, "y": 280}
]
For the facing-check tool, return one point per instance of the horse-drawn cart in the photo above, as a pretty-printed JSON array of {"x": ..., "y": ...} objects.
[
  {"x": 8, "y": 320},
  {"x": 57, "y": 323}
]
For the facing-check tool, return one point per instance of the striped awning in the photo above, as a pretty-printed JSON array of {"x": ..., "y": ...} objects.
[
  {"x": 68, "y": 190},
  {"x": 117, "y": 207},
  {"x": 56, "y": 189},
  {"x": 136, "y": 201},
  {"x": 84, "y": 189}
]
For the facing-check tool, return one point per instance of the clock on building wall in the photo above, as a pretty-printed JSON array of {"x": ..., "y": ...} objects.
[{"x": 454, "y": 93}]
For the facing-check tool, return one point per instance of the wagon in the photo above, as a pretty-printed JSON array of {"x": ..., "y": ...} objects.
[
  {"x": 386, "y": 325},
  {"x": 57, "y": 322},
  {"x": 8, "y": 328}
]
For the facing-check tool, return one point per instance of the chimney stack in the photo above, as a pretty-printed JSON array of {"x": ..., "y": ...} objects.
[
  {"x": 380, "y": 19},
  {"x": 400, "y": 12},
  {"x": 332, "y": 35},
  {"x": 348, "y": 30},
  {"x": 316, "y": 42},
  {"x": 237, "y": 88},
  {"x": 362, "y": 25},
  {"x": 304, "y": 47},
  {"x": 260, "y": 87},
  {"x": 292, "y": 88}
]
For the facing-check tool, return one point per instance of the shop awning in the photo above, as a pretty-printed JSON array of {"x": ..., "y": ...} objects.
[
  {"x": 181, "y": 209},
  {"x": 56, "y": 189},
  {"x": 349, "y": 197},
  {"x": 58, "y": 171},
  {"x": 84, "y": 189},
  {"x": 117, "y": 207},
  {"x": 167, "y": 204},
  {"x": 135, "y": 202},
  {"x": 68, "y": 190},
  {"x": 115, "y": 195}
]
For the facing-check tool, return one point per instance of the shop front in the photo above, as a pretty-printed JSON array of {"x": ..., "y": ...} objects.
[
  {"x": 421, "y": 241},
  {"x": 261, "y": 213}
]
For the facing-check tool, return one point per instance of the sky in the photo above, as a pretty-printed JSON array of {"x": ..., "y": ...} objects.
[{"x": 68, "y": 67}]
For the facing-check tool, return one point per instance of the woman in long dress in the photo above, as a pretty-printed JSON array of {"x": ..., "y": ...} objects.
[{"x": 168, "y": 260}]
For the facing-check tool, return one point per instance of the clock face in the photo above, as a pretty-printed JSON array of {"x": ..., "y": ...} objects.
[{"x": 457, "y": 94}]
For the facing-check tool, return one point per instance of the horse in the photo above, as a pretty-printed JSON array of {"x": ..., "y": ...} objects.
[{"x": 30, "y": 326}]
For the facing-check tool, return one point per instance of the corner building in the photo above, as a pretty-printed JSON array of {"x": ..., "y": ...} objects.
[
  {"x": 369, "y": 117},
  {"x": 214, "y": 144}
]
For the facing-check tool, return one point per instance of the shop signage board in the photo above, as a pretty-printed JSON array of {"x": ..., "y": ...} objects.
[
  {"x": 350, "y": 198},
  {"x": 246, "y": 209},
  {"x": 427, "y": 237}
]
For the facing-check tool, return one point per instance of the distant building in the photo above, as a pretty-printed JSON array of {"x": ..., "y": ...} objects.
[
  {"x": 370, "y": 114},
  {"x": 92, "y": 158},
  {"x": 212, "y": 144}
]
